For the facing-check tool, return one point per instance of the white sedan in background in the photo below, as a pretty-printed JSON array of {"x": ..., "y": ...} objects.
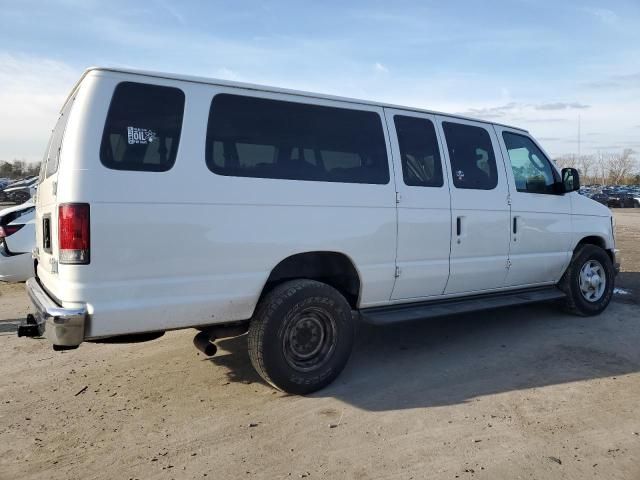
[{"x": 17, "y": 239}]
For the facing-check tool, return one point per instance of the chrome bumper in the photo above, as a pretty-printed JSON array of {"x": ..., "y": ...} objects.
[{"x": 61, "y": 326}]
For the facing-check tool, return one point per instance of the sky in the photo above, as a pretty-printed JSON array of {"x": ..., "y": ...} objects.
[{"x": 543, "y": 65}]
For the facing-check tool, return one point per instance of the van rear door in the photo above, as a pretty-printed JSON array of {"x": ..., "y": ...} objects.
[{"x": 46, "y": 197}]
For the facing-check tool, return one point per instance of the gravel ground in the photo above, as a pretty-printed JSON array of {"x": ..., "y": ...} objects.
[{"x": 527, "y": 392}]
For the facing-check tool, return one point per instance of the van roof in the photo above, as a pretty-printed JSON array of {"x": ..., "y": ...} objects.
[{"x": 264, "y": 88}]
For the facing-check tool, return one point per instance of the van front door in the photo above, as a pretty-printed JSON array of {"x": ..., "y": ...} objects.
[
  {"x": 424, "y": 215},
  {"x": 540, "y": 215},
  {"x": 479, "y": 207}
]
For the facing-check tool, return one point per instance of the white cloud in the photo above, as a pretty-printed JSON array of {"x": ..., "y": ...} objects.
[
  {"x": 173, "y": 12},
  {"x": 515, "y": 109},
  {"x": 561, "y": 106},
  {"x": 225, "y": 73},
  {"x": 380, "y": 68},
  {"x": 603, "y": 14},
  {"x": 32, "y": 90}
]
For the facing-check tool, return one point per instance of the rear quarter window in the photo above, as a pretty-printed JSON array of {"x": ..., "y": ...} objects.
[{"x": 143, "y": 126}]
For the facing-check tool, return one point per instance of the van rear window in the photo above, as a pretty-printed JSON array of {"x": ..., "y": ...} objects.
[
  {"x": 258, "y": 137},
  {"x": 142, "y": 131}
]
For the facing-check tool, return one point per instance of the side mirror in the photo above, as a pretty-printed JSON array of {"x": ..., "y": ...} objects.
[{"x": 570, "y": 180}]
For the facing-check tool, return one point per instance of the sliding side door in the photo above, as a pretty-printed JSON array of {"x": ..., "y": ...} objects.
[{"x": 424, "y": 211}]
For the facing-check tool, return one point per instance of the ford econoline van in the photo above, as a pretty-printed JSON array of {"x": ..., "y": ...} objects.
[{"x": 169, "y": 202}]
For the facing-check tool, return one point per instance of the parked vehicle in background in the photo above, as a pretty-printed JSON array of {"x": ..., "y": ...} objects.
[
  {"x": 614, "y": 196},
  {"x": 294, "y": 214},
  {"x": 602, "y": 198},
  {"x": 17, "y": 240},
  {"x": 20, "y": 194},
  {"x": 19, "y": 191},
  {"x": 620, "y": 200}
]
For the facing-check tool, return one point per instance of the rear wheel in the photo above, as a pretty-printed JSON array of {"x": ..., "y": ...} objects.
[
  {"x": 589, "y": 281},
  {"x": 301, "y": 336}
]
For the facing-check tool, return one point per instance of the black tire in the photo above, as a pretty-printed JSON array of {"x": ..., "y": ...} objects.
[
  {"x": 576, "y": 302},
  {"x": 301, "y": 336}
]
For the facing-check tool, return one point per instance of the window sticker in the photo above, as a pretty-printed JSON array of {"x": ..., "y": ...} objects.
[{"x": 137, "y": 135}]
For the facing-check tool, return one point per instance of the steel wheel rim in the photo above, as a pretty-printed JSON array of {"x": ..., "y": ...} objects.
[
  {"x": 592, "y": 281},
  {"x": 309, "y": 339}
]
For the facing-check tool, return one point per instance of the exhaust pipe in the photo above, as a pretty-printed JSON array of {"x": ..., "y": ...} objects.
[{"x": 203, "y": 342}]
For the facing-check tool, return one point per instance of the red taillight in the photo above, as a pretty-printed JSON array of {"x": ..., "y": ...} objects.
[
  {"x": 73, "y": 233},
  {"x": 9, "y": 230}
]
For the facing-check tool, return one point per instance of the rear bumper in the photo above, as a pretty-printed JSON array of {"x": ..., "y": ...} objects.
[{"x": 61, "y": 326}]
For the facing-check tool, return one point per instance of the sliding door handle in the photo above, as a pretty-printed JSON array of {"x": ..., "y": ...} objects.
[
  {"x": 515, "y": 225},
  {"x": 459, "y": 226}
]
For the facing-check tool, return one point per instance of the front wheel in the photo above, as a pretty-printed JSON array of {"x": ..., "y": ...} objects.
[
  {"x": 301, "y": 336},
  {"x": 588, "y": 281}
]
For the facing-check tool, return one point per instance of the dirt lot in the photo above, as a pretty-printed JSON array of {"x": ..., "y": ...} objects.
[{"x": 521, "y": 393}]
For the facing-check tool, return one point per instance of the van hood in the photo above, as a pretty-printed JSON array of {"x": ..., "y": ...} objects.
[{"x": 581, "y": 205}]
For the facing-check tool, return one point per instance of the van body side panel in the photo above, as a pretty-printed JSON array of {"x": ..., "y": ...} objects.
[{"x": 189, "y": 247}]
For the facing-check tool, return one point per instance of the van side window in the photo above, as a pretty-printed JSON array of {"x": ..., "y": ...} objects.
[
  {"x": 473, "y": 163},
  {"x": 257, "y": 137},
  {"x": 142, "y": 131},
  {"x": 532, "y": 170},
  {"x": 52, "y": 155},
  {"x": 419, "y": 153}
]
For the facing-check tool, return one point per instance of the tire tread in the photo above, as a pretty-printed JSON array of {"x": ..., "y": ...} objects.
[
  {"x": 570, "y": 304},
  {"x": 263, "y": 314}
]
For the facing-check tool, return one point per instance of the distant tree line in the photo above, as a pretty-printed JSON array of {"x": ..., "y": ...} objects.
[
  {"x": 18, "y": 169},
  {"x": 619, "y": 168}
]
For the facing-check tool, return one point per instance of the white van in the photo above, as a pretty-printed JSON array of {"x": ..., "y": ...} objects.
[{"x": 170, "y": 202}]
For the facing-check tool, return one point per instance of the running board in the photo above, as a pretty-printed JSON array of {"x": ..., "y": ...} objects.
[{"x": 438, "y": 308}]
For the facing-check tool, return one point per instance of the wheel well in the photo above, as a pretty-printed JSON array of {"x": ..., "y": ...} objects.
[
  {"x": 593, "y": 240},
  {"x": 332, "y": 268},
  {"x": 597, "y": 241}
]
